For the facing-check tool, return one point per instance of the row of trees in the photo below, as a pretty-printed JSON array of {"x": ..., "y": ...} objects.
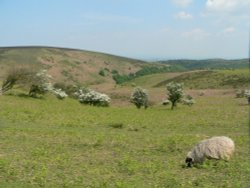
[
  {"x": 140, "y": 98},
  {"x": 119, "y": 79},
  {"x": 36, "y": 82},
  {"x": 39, "y": 83}
]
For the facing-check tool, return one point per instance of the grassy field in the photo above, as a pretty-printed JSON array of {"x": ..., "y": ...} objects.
[{"x": 52, "y": 143}]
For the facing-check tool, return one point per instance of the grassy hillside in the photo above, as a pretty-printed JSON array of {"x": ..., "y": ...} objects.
[
  {"x": 208, "y": 64},
  {"x": 70, "y": 65},
  {"x": 239, "y": 78},
  {"x": 52, "y": 143}
]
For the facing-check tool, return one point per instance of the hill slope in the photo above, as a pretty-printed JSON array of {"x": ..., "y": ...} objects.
[
  {"x": 239, "y": 78},
  {"x": 70, "y": 65},
  {"x": 208, "y": 64},
  {"x": 197, "y": 79}
]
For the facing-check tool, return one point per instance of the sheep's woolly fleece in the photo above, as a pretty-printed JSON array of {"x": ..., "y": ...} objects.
[{"x": 214, "y": 148}]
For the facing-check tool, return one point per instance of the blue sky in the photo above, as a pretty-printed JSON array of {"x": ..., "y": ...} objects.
[{"x": 144, "y": 29}]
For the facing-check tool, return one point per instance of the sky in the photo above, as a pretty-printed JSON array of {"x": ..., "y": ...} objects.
[{"x": 142, "y": 29}]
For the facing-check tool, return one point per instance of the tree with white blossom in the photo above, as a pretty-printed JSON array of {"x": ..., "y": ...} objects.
[
  {"x": 91, "y": 97},
  {"x": 175, "y": 93},
  {"x": 139, "y": 97}
]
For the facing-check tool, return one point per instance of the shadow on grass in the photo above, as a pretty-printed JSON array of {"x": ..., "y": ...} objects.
[{"x": 23, "y": 95}]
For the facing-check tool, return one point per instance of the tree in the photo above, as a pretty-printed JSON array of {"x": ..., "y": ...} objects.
[
  {"x": 139, "y": 97},
  {"x": 175, "y": 93},
  {"x": 20, "y": 75}
]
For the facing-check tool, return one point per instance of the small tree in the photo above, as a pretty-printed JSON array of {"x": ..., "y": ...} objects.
[
  {"x": 175, "y": 93},
  {"x": 139, "y": 97},
  {"x": 19, "y": 75}
]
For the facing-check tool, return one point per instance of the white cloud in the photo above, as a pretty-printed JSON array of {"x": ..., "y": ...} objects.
[
  {"x": 183, "y": 3},
  {"x": 184, "y": 16},
  {"x": 196, "y": 33},
  {"x": 229, "y": 30},
  {"x": 226, "y": 5}
]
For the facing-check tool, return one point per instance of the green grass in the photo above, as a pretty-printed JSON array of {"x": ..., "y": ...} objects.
[{"x": 52, "y": 143}]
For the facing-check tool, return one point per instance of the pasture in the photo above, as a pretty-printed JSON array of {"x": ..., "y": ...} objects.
[{"x": 52, "y": 143}]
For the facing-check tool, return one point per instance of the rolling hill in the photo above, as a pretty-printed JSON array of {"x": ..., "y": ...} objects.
[
  {"x": 209, "y": 79},
  {"x": 72, "y": 65},
  {"x": 186, "y": 64},
  {"x": 197, "y": 79},
  {"x": 104, "y": 71}
]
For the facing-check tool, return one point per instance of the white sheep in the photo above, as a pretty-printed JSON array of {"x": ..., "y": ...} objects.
[{"x": 220, "y": 147}]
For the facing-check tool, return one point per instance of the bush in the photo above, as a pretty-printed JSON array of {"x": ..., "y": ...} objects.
[
  {"x": 102, "y": 72},
  {"x": 91, "y": 97},
  {"x": 247, "y": 95},
  {"x": 40, "y": 84},
  {"x": 175, "y": 93},
  {"x": 188, "y": 101},
  {"x": 59, "y": 93},
  {"x": 240, "y": 93},
  {"x": 114, "y": 71},
  {"x": 166, "y": 102},
  {"x": 139, "y": 97},
  {"x": 70, "y": 90}
]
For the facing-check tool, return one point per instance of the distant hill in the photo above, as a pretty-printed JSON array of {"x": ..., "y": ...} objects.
[
  {"x": 208, "y": 79},
  {"x": 185, "y": 64},
  {"x": 74, "y": 66}
]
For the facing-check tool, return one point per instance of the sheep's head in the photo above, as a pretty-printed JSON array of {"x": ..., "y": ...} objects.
[{"x": 189, "y": 160}]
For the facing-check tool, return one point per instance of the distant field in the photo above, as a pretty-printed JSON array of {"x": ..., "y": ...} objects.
[
  {"x": 238, "y": 78},
  {"x": 52, "y": 143}
]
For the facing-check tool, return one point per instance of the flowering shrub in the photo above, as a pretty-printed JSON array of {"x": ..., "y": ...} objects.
[
  {"x": 91, "y": 97},
  {"x": 166, "y": 102},
  {"x": 40, "y": 84},
  {"x": 59, "y": 93},
  {"x": 139, "y": 97},
  {"x": 247, "y": 95},
  {"x": 175, "y": 93},
  {"x": 240, "y": 93},
  {"x": 188, "y": 101}
]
